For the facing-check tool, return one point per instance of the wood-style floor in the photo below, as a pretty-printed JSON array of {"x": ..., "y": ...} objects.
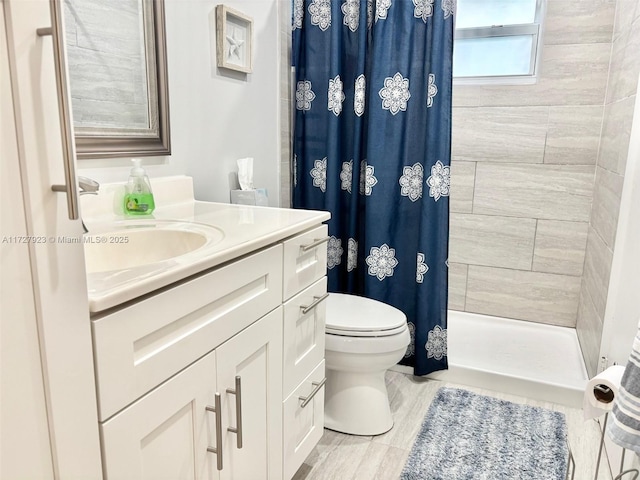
[{"x": 346, "y": 457}]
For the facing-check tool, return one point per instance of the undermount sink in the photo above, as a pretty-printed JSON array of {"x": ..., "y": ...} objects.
[{"x": 139, "y": 244}]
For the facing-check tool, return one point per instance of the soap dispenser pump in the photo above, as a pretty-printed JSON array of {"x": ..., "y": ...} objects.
[{"x": 138, "y": 198}]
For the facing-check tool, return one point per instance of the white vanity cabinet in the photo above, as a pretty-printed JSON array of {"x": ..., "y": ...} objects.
[
  {"x": 250, "y": 332},
  {"x": 305, "y": 292},
  {"x": 167, "y": 434}
]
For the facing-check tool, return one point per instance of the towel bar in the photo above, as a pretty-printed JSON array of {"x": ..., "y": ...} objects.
[{"x": 622, "y": 473}]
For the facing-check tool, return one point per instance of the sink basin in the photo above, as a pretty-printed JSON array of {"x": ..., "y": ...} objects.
[{"x": 135, "y": 245}]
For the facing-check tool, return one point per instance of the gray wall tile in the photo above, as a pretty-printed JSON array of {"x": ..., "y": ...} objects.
[
  {"x": 625, "y": 65},
  {"x": 553, "y": 192},
  {"x": 574, "y": 135},
  {"x": 606, "y": 205},
  {"x": 534, "y": 296},
  {"x": 589, "y": 330},
  {"x": 463, "y": 175},
  {"x": 457, "y": 285},
  {"x": 597, "y": 271},
  {"x": 616, "y": 133},
  {"x": 577, "y": 21},
  {"x": 491, "y": 241},
  {"x": 626, "y": 12},
  {"x": 499, "y": 134},
  {"x": 560, "y": 247},
  {"x": 569, "y": 75}
]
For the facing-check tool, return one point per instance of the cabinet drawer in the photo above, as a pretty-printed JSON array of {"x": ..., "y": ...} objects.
[
  {"x": 303, "y": 334},
  {"x": 303, "y": 426},
  {"x": 303, "y": 262},
  {"x": 141, "y": 345}
]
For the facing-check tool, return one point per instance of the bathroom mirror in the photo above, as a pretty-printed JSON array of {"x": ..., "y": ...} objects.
[{"x": 116, "y": 56}]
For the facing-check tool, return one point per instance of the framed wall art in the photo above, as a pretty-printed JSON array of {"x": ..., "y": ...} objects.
[{"x": 234, "y": 37}]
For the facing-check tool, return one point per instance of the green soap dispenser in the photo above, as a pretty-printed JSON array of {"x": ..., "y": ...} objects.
[{"x": 138, "y": 198}]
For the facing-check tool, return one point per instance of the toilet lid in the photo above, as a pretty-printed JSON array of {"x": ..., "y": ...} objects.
[{"x": 351, "y": 315}]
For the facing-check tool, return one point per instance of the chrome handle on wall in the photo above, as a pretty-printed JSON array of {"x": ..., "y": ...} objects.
[
  {"x": 218, "y": 448},
  {"x": 64, "y": 109},
  {"x": 238, "y": 393},
  {"x": 314, "y": 304},
  {"x": 308, "y": 398},
  {"x": 315, "y": 243}
]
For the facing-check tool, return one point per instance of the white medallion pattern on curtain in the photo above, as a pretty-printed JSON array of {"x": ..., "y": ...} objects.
[
  {"x": 360, "y": 95},
  {"x": 319, "y": 174},
  {"x": 381, "y": 261},
  {"x": 335, "y": 95},
  {"x": 334, "y": 252},
  {"x": 298, "y": 14},
  {"x": 436, "y": 345},
  {"x": 432, "y": 89},
  {"x": 423, "y": 9},
  {"x": 449, "y": 7},
  {"x": 421, "y": 268},
  {"x": 381, "y": 9},
  {"x": 320, "y": 11},
  {"x": 304, "y": 95},
  {"x": 411, "y": 348},
  {"x": 295, "y": 170},
  {"x": 346, "y": 176},
  {"x": 351, "y": 11},
  {"x": 411, "y": 181},
  {"x": 446, "y": 262},
  {"x": 395, "y": 93},
  {"x": 369, "y": 14},
  {"x": 367, "y": 178},
  {"x": 352, "y": 254},
  {"x": 439, "y": 181}
]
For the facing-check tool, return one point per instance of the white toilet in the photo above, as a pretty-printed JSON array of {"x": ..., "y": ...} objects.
[{"x": 364, "y": 338}]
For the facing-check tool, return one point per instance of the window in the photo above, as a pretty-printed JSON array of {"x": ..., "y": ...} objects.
[{"x": 497, "y": 41}]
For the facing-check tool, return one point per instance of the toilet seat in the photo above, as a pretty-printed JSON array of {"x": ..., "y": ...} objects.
[{"x": 353, "y": 316}]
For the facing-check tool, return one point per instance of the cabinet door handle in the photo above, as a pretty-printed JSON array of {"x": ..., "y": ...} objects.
[
  {"x": 315, "y": 243},
  {"x": 314, "y": 304},
  {"x": 238, "y": 393},
  {"x": 64, "y": 108},
  {"x": 218, "y": 448},
  {"x": 318, "y": 386}
]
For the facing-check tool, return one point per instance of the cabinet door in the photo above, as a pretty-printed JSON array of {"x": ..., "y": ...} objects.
[
  {"x": 165, "y": 434},
  {"x": 255, "y": 356}
]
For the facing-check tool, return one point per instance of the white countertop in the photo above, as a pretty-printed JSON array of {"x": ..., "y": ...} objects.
[{"x": 245, "y": 228}]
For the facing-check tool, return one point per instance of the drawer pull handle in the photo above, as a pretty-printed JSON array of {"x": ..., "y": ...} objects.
[
  {"x": 316, "y": 300},
  {"x": 315, "y": 243},
  {"x": 318, "y": 386},
  {"x": 218, "y": 448},
  {"x": 238, "y": 393}
]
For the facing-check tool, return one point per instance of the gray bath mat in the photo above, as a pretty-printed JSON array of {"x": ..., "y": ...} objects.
[{"x": 466, "y": 436}]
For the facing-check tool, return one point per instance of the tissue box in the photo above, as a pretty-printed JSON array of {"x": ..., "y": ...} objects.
[{"x": 250, "y": 197}]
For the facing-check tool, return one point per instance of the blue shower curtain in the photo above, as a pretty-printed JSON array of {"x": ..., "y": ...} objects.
[{"x": 372, "y": 145}]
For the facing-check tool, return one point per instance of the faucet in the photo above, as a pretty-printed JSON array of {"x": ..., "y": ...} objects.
[{"x": 87, "y": 186}]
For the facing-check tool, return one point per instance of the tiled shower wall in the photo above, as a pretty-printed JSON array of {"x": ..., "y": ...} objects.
[
  {"x": 622, "y": 86},
  {"x": 523, "y": 163},
  {"x": 286, "y": 107}
]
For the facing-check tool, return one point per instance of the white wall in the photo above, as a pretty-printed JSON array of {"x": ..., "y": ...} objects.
[
  {"x": 217, "y": 116},
  {"x": 623, "y": 303}
]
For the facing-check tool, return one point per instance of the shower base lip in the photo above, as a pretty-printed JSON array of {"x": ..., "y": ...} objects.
[{"x": 538, "y": 361}]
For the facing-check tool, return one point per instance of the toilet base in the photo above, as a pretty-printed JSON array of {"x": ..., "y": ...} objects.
[{"x": 357, "y": 403}]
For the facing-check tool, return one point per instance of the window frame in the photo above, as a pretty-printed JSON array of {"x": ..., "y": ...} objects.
[{"x": 535, "y": 29}]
